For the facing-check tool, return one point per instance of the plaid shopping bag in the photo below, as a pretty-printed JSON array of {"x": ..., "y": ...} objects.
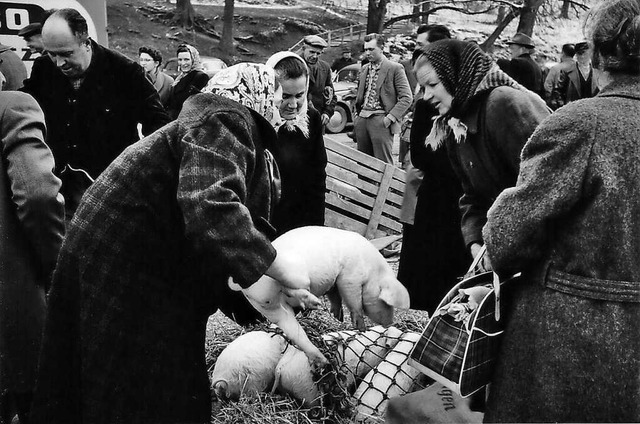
[{"x": 461, "y": 354}]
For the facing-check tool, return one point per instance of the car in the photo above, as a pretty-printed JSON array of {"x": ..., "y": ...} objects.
[
  {"x": 210, "y": 65},
  {"x": 345, "y": 85}
]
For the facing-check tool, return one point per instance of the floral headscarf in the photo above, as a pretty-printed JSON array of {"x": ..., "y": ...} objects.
[
  {"x": 195, "y": 62},
  {"x": 301, "y": 121},
  {"x": 250, "y": 84},
  {"x": 466, "y": 72}
]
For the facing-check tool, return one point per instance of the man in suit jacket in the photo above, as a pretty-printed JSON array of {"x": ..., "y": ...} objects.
[
  {"x": 522, "y": 67},
  {"x": 384, "y": 96},
  {"x": 580, "y": 81}
]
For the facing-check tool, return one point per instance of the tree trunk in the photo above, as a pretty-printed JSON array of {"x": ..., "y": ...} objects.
[
  {"x": 377, "y": 11},
  {"x": 487, "y": 45},
  {"x": 416, "y": 10},
  {"x": 502, "y": 12},
  {"x": 528, "y": 14},
  {"x": 426, "y": 5},
  {"x": 226, "y": 42},
  {"x": 564, "y": 12},
  {"x": 185, "y": 11}
]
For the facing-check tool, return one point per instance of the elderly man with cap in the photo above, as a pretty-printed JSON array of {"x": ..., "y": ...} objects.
[
  {"x": 577, "y": 82},
  {"x": 522, "y": 67},
  {"x": 343, "y": 60},
  {"x": 32, "y": 35},
  {"x": 12, "y": 67},
  {"x": 321, "y": 93}
]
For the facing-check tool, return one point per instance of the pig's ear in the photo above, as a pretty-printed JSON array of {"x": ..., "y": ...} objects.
[
  {"x": 233, "y": 286},
  {"x": 395, "y": 295}
]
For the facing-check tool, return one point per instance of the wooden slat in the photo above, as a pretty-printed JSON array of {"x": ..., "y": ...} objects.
[{"x": 376, "y": 213}]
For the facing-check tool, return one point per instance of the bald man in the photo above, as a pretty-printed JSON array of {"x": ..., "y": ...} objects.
[{"x": 93, "y": 99}]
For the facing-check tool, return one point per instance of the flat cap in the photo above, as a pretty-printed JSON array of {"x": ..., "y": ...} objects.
[
  {"x": 315, "y": 41},
  {"x": 31, "y": 29},
  {"x": 522, "y": 40}
]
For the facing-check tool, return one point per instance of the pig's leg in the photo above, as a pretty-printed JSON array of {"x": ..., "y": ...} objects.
[
  {"x": 351, "y": 291},
  {"x": 336, "y": 303},
  {"x": 282, "y": 315},
  {"x": 302, "y": 298}
]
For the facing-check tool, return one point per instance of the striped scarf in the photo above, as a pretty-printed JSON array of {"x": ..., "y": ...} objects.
[{"x": 466, "y": 72}]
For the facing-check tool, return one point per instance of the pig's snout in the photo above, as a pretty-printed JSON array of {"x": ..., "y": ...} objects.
[{"x": 221, "y": 389}]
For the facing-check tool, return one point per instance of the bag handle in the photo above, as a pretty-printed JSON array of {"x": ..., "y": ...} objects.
[{"x": 496, "y": 279}]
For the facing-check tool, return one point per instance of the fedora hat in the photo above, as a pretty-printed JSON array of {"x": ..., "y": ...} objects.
[{"x": 522, "y": 40}]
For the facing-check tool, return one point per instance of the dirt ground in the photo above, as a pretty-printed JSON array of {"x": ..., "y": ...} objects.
[{"x": 260, "y": 30}]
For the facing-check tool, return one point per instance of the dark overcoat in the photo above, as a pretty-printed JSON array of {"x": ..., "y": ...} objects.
[
  {"x": 90, "y": 127},
  {"x": 487, "y": 162},
  {"x": 570, "y": 351},
  {"x": 525, "y": 71},
  {"x": 302, "y": 163},
  {"x": 31, "y": 230},
  {"x": 146, "y": 261},
  {"x": 188, "y": 85},
  {"x": 319, "y": 81},
  {"x": 433, "y": 251}
]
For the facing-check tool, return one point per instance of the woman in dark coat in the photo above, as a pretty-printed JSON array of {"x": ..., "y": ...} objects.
[
  {"x": 299, "y": 152},
  {"x": 189, "y": 81},
  {"x": 485, "y": 119},
  {"x": 571, "y": 351},
  {"x": 435, "y": 254},
  {"x": 147, "y": 258}
]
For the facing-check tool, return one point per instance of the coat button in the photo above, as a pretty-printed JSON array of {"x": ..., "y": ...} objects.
[{"x": 470, "y": 164}]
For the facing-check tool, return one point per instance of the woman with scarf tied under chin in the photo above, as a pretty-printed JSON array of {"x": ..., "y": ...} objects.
[
  {"x": 299, "y": 151},
  {"x": 485, "y": 118}
]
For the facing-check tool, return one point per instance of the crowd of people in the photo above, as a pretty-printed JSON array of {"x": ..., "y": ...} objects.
[{"x": 117, "y": 249}]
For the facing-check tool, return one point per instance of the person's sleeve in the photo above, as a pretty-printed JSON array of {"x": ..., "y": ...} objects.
[
  {"x": 152, "y": 113},
  {"x": 420, "y": 127},
  {"x": 511, "y": 119},
  {"x": 218, "y": 160},
  {"x": 559, "y": 93},
  {"x": 404, "y": 93},
  {"x": 550, "y": 81},
  {"x": 331, "y": 100},
  {"x": 552, "y": 174},
  {"x": 317, "y": 180},
  {"x": 34, "y": 187}
]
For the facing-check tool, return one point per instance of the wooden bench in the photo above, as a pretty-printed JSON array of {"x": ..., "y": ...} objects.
[{"x": 364, "y": 194}]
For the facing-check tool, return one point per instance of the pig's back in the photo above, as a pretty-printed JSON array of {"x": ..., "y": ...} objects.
[{"x": 327, "y": 251}]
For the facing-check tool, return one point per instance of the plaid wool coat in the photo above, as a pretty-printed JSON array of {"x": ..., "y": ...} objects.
[
  {"x": 146, "y": 262},
  {"x": 571, "y": 350}
]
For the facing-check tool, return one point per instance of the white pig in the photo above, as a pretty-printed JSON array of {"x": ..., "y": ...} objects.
[
  {"x": 340, "y": 263},
  {"x": 247, "y": 365},
  {"x": 295, "y": 377}
]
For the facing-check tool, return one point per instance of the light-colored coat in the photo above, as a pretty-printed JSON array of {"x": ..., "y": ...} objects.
[
  {"x": 392, "y": 88},
  {"x": 570, "y": 349},
  {"x": 31, "y": 230}
]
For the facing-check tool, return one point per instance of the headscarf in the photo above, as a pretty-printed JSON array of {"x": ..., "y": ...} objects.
[
  {"x": 195, "y": 62},
  {"x": 466, "y": 72},
  {"x": 301, "y": 121},
  {"x": 250, "y": 84}
]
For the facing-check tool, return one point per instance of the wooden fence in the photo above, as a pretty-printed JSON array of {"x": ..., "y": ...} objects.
[
  {"x": 364, "y": 194},
  {"x": 337, "y": 37}
]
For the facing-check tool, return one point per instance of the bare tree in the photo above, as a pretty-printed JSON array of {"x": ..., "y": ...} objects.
[
  {"x": 528, "y": 13},
  {"x": 186, "y": 13},
  {"x": 226, "y": 42},
  {"x": 564, "y": 12},
  {"x": 377, "y": 10}
]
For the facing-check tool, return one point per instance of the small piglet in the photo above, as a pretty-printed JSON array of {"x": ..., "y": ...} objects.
[
  {"x": 342, "y": 264},
  {"x": 247, "y": 365}
]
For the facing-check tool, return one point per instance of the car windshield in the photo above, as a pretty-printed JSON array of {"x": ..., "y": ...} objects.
[{"x": 349, "y": 75}]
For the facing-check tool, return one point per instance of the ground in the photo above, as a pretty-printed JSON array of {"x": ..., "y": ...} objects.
[{"x": 266, "y": 26}]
